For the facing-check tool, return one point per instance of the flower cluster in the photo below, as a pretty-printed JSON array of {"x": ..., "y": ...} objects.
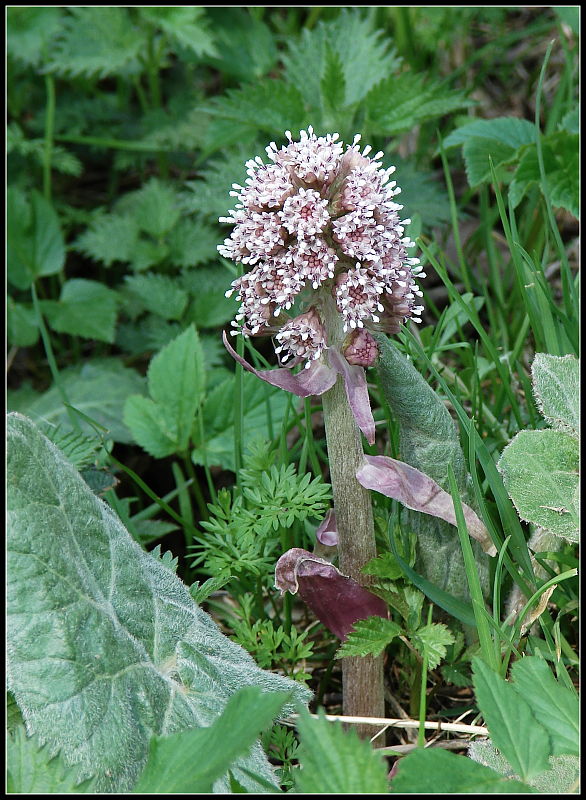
[{"x": 320, "y": 223}]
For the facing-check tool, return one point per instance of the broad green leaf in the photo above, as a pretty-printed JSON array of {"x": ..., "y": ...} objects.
[
  {"x": 171, "y": 767},
  {"x": 35, "y": 242},
  {"x": 159, "y": 293},
  {"x": 33, "y": 769},
  {"x": 369, "y": 637},
  {"x": 209, "y": 307},
  {"x": 431, "y": 641},
  {"x": 22, "y": 327},
  {"x": 421, "y": 193},
  {"x": 562, "y": 776},
  {"x": 98, "y": 389},
  {"x": 85, "y": 308},
  {"x": 261, "y": 403},
  {"x": 513, "y": 726},
  {"x": 333, "y": 84},
  {"x": 429, "y": 441},
  {"x": 154, "y": 207},
  {"x": 561, "y": 166},
  {"x": 434, "y": 771},
  {"x": 106, "y": 648},
  {"x": 509, "y": 131},
  {"x": 210, "y": 196},
  {"x": 192, "y": 242},
  {"x": 540, "y": 471},
  {"x": 162, "y": 424},
  {"x": 555, "y": 706},
  {"x": 478, "y": 154},
  {"x": 402, "y": 101},
  {"x": 30, "y": 31},
  {"x": 246, "y": 47},
  {"x": 184, "y": 25},
  {"x": 334, "y": 761},
  {"x": 556, "y": 385},
  {"x": 97, "y": 41},
  {"x": 109, "y": 238}
]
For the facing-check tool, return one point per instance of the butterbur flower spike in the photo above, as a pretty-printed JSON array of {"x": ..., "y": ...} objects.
[{"x": 320, "y": 231}]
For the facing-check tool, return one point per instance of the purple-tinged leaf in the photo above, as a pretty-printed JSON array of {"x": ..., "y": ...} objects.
[
  {"x": 356, "y": 392},
  {"x": 419, "y": 492},
  {"x": 315, "y": 380},
  {"x": 327, "y": 533},
  {"x": 336, "y": 600}
]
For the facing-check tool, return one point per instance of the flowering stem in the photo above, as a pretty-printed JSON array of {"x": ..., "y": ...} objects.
[{"x": 362, "y": 676}]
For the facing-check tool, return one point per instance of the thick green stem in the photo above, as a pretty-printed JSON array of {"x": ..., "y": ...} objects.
[{"x": 362, "y": 677}]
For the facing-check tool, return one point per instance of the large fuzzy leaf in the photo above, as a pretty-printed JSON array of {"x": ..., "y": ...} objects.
[{"x": 106, "y": 647}]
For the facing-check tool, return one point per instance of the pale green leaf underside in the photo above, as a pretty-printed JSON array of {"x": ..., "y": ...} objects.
[
  {"x": 105, "y": 645},
  {"x": 562, "y": 777},
  {"x": 556, "y": 383},
  {"x": 540, "y": 473}
]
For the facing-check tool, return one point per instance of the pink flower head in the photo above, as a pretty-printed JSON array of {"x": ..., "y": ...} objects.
[{"x": 320, "y": 230}]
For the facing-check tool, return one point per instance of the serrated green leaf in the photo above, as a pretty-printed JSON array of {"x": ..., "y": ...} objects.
[
  {"x": 209, "y": 307},
  {"x": 162, "y": 424},
  {"x": 513, "y": 726},
  {"x": 185, "y": 25},
  {"x": 383, "y": 566},
  {"x": 369, "y": 637},
  {"x": 103, "y": 637},
  {"x": 562, "y": 777},
  {"x": 334, "y": 761},
  {"x": 218, "y": 419},
  {"x": 556, "y": 385},
  {"x": 21, "y": 324},
  {"x": 192, "y": 242},
  {"x": 170, "y": 768},
  {"x": 555, "y": 706},
  {"x": 79, "y": 449},
  {"x": 478, "y": 154},
  {"x": 560, "y": 162},
  {"x": 32, "y": 769},
  {"x": 246, "y": 47},
  {"x": 98, "y": 389},
  {"x": 97, "y": 41},
  {"x": 432, "y": 771},
  {"x": 211, "y": 196},
  {"x": 402, "y": 101},
  {"x": 540, "y": 471},
  {"x": 35, "y": 241},
  {"x": 109, "y": 238},
  {"x": 85, "y": 308},
  {"x": 30, "y": 31},
  {"x": 201, "y": 592},
  {"x": 509, "y": 131},
  {"x": 154, "y": 207},
  {"x": 431, "y": 641},
  {"x": 421, "y": 193},
  {"x": 333, "y": 83},
  {"x": 159, "y": 294}
]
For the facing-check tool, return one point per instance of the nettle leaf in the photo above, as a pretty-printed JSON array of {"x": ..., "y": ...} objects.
[
  {"x": 562, "y": 776},
  {"x": 540, "y": 472},
  {"x": 21, "y": 324},
  {"x": 30, "y": 31},
  {"x": 108, "y": 239},
  {"x": 85, "y": 308},
  {"x": 431, "y": 641},
  {"x": 246, "y": 46},
  {"x": 362, "y": 52},
  {"x": 420, "y": 193},
  {"x": 35, "y": 241},
  {"x": 159, "y": 293},
  {"x": 282, "y": 109},
  {"x": 513, "y": 726},
  {"x": 555, "y": 706},
  {"x": 184, "y": 25},
  {"x": 423, "y": 771},
  {"x": 260, "y": 401},
  {"x": 402, "y": 101},
  {"x": 33, "y": 770},
  {"x": 162, "y": 423},
  {"x": 170, "y": 767},
  {"x": 333, "y": 83},
  {"x": 192, "y": 242},
  {"x": 98, "y": 389},
  {"x": 369, "y": 637},
  {"x": 154, "y": 207},
  {"x": 556, "y": 385},
  {"x": 334, "y": 761},
  {"x": 561, "y": 166},
  {"x": 61, "y": 159},
  {"x": 106, "y": 648},
  {"x": 211, "y": 196},
  {"x": 498, "y": 138},
  {"x": 209, "y": 307},
  {"x": 97, "y": 41}
]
